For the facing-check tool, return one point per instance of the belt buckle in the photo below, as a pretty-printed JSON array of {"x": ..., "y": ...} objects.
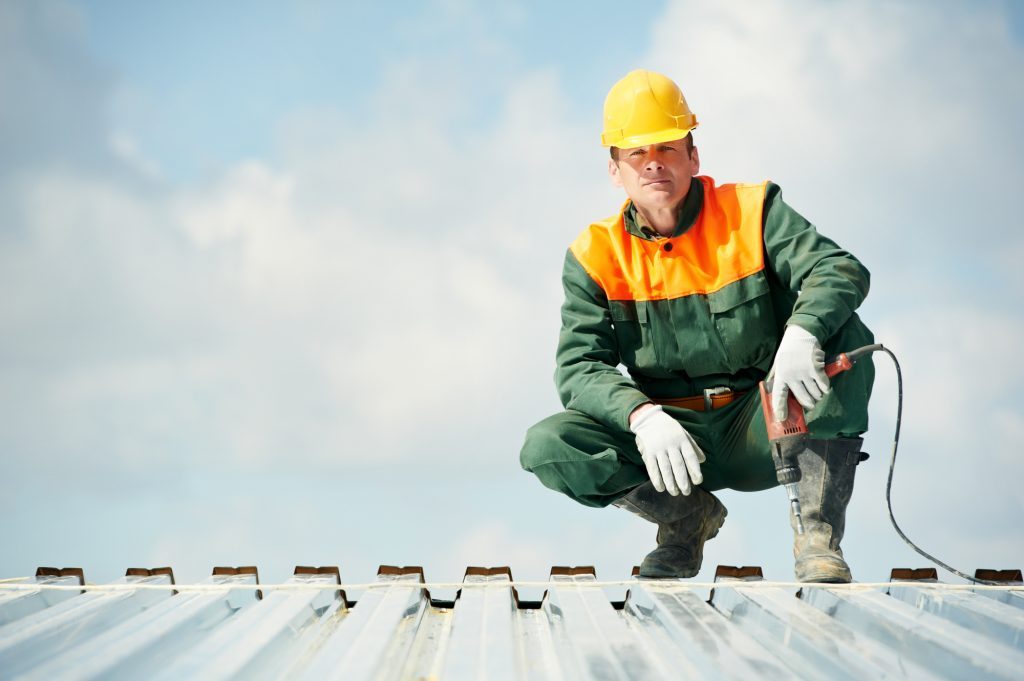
[{"x": 711, "y": 392}]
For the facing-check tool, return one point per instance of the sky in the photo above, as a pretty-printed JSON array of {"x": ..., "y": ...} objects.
[{"x": 279, "y": 282}]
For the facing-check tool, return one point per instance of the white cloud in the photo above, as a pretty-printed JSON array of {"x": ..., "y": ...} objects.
[{"x": 370, "y": 299}]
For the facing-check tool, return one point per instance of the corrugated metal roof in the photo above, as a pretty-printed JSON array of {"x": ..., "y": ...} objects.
[{"x": 230, "y": 627}]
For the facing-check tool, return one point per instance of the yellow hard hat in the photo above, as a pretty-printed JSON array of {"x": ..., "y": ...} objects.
[{"x": 645, "y": 108}]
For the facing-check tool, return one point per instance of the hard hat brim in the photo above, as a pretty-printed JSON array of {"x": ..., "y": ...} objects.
[{"x": 669, "y": 135}]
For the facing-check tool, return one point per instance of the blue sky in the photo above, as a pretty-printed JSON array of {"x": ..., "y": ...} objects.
[
  {"x": 191, "y": 81},
  {"x": 280, "y": 282}
]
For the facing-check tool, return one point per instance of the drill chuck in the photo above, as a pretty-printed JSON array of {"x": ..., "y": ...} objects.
[
  {"x": 788, "y": 474},
  {"x": 787, "y": 471}
]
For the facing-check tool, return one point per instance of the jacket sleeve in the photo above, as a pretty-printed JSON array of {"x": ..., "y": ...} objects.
[
  {"x": 586, "y": 373},
  {"x": 831, "y": 282}
]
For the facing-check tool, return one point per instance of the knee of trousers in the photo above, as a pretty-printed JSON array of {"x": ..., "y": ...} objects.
[
  {"x": 545, "y": 442},
  {"x": 581, "y": 458}
]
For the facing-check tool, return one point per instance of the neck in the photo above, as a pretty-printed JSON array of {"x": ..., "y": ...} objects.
[{"x": 661, "y": 220}]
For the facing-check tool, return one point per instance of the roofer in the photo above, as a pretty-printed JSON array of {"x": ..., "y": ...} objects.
[{"x": 700, "y": 290}]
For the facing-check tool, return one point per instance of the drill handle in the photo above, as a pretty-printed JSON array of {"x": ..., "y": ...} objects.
[{"x": 794, "y": 424}]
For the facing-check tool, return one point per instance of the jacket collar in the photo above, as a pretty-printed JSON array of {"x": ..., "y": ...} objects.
[{"x": 694, "y": 201}]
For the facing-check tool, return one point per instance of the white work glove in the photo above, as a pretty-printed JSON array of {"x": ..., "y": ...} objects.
[
  {"x": 670, "y": 454},
  {"x": 800, "y": 369}
]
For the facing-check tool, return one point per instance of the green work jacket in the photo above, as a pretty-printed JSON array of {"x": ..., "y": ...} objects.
[{"x": 679, "y": 346}]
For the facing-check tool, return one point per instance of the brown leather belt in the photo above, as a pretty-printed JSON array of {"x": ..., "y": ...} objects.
[{"x": 713, "y": 398}]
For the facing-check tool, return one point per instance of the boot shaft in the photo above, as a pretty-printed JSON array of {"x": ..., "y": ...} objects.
[{"x": 827, "y": 470}]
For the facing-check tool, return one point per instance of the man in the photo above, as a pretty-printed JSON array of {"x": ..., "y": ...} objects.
[{"x": 700, "y": 290}]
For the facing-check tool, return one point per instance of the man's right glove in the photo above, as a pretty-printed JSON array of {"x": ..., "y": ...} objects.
[{"x": 672, "y": 457}]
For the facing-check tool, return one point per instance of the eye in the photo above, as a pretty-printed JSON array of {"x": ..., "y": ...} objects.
[{"x": 636, "y": 154}]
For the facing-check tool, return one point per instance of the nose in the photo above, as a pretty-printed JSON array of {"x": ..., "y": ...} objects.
[{"x": 654, "y": 160}]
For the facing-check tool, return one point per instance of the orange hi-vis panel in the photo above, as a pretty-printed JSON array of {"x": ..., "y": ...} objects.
[{"x": 723, "y": 246}]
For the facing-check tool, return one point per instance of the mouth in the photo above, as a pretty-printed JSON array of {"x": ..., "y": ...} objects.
[{"x": 657, "y": 183}]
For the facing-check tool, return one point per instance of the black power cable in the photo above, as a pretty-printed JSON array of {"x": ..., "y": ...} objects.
[{"x": 892, "y": 466}]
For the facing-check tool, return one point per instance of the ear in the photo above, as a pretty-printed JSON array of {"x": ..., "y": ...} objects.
[
  {"x": 695, "y": 162},
  {"x": 613, "y": 172}
]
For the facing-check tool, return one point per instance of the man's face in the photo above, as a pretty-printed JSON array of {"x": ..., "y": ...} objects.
[{"x": 656, "y": 176}]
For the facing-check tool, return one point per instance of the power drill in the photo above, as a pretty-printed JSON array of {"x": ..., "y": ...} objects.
[{"x": 787, "y": 438}]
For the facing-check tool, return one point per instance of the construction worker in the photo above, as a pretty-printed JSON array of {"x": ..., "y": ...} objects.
[{"x": 700, "y": 290}]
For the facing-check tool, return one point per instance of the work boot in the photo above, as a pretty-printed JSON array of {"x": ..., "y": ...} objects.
[
  {"x": 684, "y": 524},
  {"x": 825, "y": 487}
]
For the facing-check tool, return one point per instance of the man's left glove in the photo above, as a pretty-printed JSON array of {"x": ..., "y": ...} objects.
[
  {"x": 672, "y": 457},
  {"x": 799, "y": 368}
]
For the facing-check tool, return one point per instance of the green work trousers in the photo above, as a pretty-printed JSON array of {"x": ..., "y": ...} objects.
[{"x": 595, "y": 465}]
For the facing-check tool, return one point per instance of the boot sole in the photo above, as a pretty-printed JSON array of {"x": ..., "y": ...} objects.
[{"x": 823, "y": 569}]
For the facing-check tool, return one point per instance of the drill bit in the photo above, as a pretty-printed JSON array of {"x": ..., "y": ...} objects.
[{"x": 794, "y": 504}]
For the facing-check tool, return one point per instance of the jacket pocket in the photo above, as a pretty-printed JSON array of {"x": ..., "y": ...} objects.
[
  {"x": 632, "y": 333},
  {"x": 745, "y": 321}
]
